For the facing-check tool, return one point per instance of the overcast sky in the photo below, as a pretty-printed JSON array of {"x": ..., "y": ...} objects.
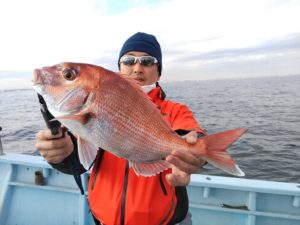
[{"x": 200, "y": 39}]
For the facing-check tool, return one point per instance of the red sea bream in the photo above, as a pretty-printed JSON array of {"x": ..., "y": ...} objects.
[{"x": 107, "y": 110}]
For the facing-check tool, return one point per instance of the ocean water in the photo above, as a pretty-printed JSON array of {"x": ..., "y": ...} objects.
[{"x": 268, "y": 107}]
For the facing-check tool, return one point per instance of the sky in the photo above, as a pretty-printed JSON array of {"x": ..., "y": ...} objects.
[{"x": 200, "y": 39}]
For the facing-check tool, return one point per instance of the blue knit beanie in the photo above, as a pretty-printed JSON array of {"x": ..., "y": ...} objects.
[{"x": 143, "y": 42}]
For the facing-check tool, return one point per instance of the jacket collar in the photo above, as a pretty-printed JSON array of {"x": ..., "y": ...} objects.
[{"x": 157, "y": 94}]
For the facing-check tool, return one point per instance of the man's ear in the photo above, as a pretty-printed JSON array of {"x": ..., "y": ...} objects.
[{"x": 158, "y": 77}]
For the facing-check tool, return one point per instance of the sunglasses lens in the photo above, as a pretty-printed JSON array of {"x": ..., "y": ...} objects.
[
  {"x": 147, "y": 60},
  {"x": 128, "y": 60}
]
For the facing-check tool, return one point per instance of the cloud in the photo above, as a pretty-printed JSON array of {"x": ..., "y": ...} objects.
[
  {"x": 197, "y": 36},
  {"x": 278, "y": 56},
  {"x": 280, "y": 45}
]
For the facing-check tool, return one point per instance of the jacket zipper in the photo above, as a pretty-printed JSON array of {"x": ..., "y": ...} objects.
[
  {"x": 162, "y": 185},
  {"x": 123, "y": 203}
]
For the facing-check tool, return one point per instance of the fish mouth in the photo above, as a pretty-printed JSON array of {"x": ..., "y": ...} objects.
[
  {"x": 37, "y": 79},
  {"x": 43, "y": 76}
]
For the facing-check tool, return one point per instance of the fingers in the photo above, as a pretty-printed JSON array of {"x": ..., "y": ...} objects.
[
  {"x": 191, "y": 137},
  {"x": 185, "y": 161},
  {"x": 54, "y": 148},
  {"x": 178, "y": 178},
  {"x": 50, "y": 144},
  {"x": 47, "y": 135}
]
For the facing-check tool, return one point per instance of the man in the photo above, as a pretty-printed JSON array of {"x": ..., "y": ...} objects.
[{"x": 116, "y": 194}]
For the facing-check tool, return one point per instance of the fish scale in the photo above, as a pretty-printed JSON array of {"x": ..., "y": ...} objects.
[{"x": 128, "y": 129}]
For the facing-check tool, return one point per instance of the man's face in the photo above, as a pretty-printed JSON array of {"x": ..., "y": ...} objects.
[{"x": 145, "y": 75}]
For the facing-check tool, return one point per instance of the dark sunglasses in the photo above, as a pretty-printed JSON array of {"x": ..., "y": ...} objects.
[{"x": 130, "y": 60}]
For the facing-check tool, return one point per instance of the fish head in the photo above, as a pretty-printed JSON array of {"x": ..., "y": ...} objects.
[{"x": 65, "y": 87}]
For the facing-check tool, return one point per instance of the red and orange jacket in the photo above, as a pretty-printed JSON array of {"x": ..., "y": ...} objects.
[{"x": 118, "y": 196}]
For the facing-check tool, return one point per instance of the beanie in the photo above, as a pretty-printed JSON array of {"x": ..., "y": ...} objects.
[{"x": 143, "y": 42}]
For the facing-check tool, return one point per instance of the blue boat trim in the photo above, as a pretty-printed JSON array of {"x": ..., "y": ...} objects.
[{"x": 214, "y": 200}]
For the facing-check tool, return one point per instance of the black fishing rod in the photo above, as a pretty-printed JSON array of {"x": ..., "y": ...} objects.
[
  {"x": 54, "y": 126},
  {"x": 1, "y": 148}
]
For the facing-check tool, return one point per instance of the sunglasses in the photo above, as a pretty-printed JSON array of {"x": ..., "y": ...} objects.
[{"x": 130, "y": 60}]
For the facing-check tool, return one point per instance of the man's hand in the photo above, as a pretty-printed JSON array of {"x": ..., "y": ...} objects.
[
  {"x": 184, "y": 163},
  {"x": 54, "y": 148}
]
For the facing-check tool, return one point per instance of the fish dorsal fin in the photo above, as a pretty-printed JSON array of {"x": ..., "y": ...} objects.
[
  {"x": 87, "y": 152},
  {"x": 131, "y": 80},
  {"x": 134, "y": 83},
  {"x": 149, "y": 169}
]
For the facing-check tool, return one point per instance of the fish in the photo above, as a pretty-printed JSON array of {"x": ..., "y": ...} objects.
[{"x": 109, "y": 110}]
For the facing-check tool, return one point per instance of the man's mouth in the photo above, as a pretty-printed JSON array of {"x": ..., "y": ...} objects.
[{"x": 139, "y": 79}]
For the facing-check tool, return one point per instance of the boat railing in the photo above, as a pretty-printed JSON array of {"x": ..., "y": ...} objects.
[{"x": 32, "y": 192}]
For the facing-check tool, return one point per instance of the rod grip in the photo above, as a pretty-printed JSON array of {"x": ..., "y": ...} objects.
[{"x": 53, "y": 125}]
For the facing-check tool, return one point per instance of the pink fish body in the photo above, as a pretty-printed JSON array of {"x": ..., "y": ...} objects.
[{"x": 111, "y": 111}]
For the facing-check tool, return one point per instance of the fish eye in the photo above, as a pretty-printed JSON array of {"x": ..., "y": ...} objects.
[{"x": 69, "y": 74}]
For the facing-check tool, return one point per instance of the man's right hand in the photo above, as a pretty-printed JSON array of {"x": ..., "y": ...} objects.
[{"x": 54, "y": 148}]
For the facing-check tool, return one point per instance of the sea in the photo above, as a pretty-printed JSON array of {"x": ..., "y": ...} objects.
[{"x": 269, "y": 107}]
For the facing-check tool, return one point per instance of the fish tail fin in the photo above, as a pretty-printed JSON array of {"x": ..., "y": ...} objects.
[{"x": 215, "y": 146}]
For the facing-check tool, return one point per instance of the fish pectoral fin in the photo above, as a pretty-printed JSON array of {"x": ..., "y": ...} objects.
[
  {"x": 149, "y": 169},
  {"x": 87, "y": 152},
  {"x": 82, "y": 118}
]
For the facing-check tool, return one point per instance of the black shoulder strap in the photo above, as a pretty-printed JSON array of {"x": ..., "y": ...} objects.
[
  {"x": 74, "y": 167},
  {"x": 97, "y": 163},
  {"x": 74, "y": 164}
]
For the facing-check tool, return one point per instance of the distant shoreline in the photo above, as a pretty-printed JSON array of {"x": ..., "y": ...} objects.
[{"x": 14, "y": 83}]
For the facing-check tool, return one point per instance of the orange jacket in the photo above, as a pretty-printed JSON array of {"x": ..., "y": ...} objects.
[{"x": 118, "y": 196}]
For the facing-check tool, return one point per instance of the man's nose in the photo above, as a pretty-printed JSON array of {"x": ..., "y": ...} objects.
[{"x": 137, "y": 68}]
